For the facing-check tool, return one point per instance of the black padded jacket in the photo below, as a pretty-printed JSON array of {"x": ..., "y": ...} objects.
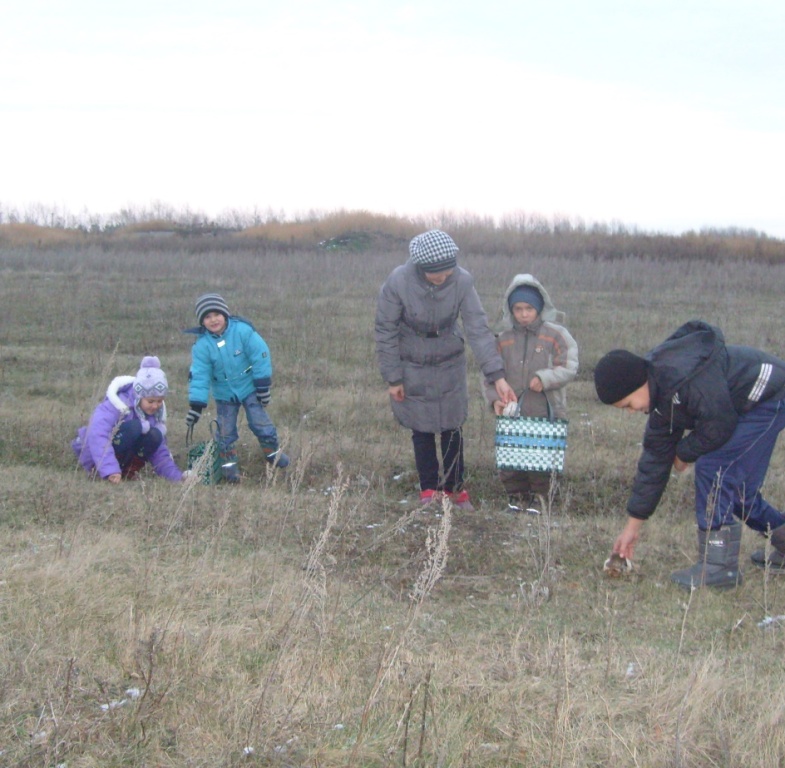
[{"x": 698, "y": 387}]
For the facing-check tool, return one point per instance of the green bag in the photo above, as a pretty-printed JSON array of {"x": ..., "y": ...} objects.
[{"x": 204, "y": 458}]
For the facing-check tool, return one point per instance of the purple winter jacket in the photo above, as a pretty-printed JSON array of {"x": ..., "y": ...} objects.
[{"x": 93, "y": 443}]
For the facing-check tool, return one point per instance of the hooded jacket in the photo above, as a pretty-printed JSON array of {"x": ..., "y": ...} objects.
[
  {"x": 93, "y": 443},
  {"x": 698, "y": 387},
  {"x": 420, "y": 343},
  {"x": 544, "y": 349},
  {"x": 232, "y": 364}
]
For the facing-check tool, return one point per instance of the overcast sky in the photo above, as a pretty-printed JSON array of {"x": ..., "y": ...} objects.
[{"x": 667, "y": 115}]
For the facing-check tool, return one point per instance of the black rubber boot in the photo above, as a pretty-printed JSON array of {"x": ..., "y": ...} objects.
[
  {"x": 776, "y": 559},
  {"x": 718, "y": 560}
]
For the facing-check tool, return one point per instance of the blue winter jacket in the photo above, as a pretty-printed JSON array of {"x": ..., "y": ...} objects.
[{"x": 233, "y": 364}]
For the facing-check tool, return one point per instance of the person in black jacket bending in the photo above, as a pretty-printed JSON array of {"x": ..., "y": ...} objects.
[{"x": 720, "y": 408}]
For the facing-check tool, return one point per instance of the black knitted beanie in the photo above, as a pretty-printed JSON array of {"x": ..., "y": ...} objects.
[{"x": 618, "y": 374}]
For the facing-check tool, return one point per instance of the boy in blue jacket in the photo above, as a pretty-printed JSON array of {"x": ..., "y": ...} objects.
[
  {"x": 721, "y": 408},
  {"x": 231, "y": 358}
]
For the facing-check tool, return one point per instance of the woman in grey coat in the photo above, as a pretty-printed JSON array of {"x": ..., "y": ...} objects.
[{"x": 421, "y": 352}]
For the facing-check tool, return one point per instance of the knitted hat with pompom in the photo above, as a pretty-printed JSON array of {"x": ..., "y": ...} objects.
[{"x": 150, "y": 380}]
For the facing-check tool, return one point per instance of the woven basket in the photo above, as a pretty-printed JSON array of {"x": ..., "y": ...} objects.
[{"x": 530, "y": 444}]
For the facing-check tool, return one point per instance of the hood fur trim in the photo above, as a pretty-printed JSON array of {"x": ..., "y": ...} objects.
[
  {"x": 112, "y": 394},
  {"x": 118, "y": 383},
  {"x": 549, "y": 312}
]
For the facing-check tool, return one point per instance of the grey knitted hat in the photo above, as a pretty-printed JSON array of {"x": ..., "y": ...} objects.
[
  {"x": 210, "y": 302},
  {"x": 433, "y": 251},
  {"x": 150, "y": 380}
]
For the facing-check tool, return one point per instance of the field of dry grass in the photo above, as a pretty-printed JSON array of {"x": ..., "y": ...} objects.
[{"x": 315, "y": 617}]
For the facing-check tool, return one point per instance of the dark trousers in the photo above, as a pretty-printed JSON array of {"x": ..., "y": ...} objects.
[
  {"x": 129, "y": 443},
  {"x": 521, "y": 485},
  {"x": 432, "y": 478},
  {"x": 728, "y": 481}
]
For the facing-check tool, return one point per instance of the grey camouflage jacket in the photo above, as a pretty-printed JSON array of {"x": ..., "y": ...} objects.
[{"x": 544, "y": 349}]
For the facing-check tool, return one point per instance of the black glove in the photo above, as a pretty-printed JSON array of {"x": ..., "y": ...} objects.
[
  {"x": 194, "y": 412},
  {"x": 263, "y": 395}
]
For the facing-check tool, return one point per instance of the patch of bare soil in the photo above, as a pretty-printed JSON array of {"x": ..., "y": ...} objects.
[{"x": 488, "y": 550}]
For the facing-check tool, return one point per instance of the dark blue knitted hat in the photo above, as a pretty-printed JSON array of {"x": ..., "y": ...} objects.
[{"x": 528, "y": 294}]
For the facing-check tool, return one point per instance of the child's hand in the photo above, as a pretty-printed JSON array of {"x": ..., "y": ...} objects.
[
  {"x": 115, "y": 478},
  {"x": 263, "y": 396},
  {"x": 192, "y": 417},
  {"x": 396, "y": 392},
  {"x": 535, "y": 385},
  {"x": 628, "y": 538}
]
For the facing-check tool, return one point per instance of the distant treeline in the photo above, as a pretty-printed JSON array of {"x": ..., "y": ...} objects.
[{"x": 343, "y": 230}]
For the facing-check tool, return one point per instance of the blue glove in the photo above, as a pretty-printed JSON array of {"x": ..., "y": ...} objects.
[{"x": 263, "y": 396}]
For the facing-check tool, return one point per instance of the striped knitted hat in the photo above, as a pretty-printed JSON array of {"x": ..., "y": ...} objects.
[
  {"x": 210, "y": 302},
  {"x": 433, "y": 251}
]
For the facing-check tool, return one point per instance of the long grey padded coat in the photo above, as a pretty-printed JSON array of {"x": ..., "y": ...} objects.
[{"x": 420, "y": 343}]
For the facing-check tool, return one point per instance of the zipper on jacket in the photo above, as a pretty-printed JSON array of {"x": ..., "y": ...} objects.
[{"x": 692, "y": 375}]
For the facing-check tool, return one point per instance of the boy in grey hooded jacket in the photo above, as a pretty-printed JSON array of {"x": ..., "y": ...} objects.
[{"x": 540, "y": 359}]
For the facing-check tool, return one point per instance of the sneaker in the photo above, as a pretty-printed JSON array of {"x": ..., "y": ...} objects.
[
  {"x": 517, "y": 503},
  {"x": 461, "y": 500},
  {"x": 277, "y": 459},
  {"x": 430, "y": 497}
]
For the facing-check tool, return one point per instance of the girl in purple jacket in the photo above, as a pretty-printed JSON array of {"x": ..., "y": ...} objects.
[{"x": 128, "y": 429}]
